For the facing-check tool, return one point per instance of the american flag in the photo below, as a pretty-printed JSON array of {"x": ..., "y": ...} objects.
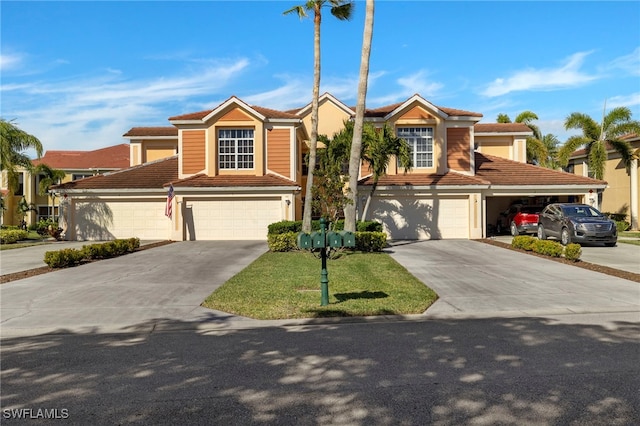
[{"x": 168, "y": 210}]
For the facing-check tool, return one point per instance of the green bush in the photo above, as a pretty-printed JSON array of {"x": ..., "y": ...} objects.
[
  {"x": 10, "y": 236},
  {"x": 572, "y": 251},
  {"x": 524, "y": 242},
  {"x": 622, "y": 226},
  {"x": 283, "y": 242},
  {"x": 548, "y": 248},
  {"x": 370, "y": 241},
  {"x": 64, "y": 258},
  {"x": 285, "y": 226}
]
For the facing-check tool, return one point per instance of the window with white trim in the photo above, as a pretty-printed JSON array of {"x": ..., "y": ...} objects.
[
  {"x": 235, "y": 149},
  {"x": 420, "y": 139}
]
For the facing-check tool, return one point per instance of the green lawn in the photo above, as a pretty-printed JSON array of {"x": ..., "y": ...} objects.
[
  {"x": 287, "y": 285},
  {"x": 34, "y": 239}
]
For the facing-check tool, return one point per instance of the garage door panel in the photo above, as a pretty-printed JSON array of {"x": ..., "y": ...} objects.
[
  {"x": 107, "y": 220},
  {"x": 408, "y": 218},
  {"x": 233, "y": 219}
]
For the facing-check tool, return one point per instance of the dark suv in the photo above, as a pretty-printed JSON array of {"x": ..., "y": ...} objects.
[{"x": 576, "y": 223}]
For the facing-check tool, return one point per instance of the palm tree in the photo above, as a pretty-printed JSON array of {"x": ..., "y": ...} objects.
[
  {"x": 380, "y": 149},
  {"x": 356, "y": 146},
  {"x": 341, "y": 9},
  {"x": 13, "y": 143},
  {"x": 48, "y": 176},
  {"x": 596, "y": 136}
]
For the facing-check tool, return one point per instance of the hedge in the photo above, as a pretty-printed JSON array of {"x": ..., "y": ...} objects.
[
  {"x": 70, "y": 257},
  {"x": 285, "y": 226},
  {"x": 365, "y": 241},
  {"x": 10, "y": 236},
  {"x": 547, "y": 247}
]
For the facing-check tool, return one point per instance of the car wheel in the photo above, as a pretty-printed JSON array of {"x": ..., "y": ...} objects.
[
  {"x": 541, "y": 234},
  {"x": 565, "y": 237},
  {"x": 514, "y": 230}
]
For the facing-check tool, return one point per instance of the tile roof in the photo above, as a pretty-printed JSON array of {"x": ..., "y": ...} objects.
[
  {"x": 501, "y": 128},
  {"x": 631, "y": 138},
  {"x": 112, "y": 157},
  {"x": 384, "y": 110},
  {"x": 448, "y": 179},
  {"x": 267, "y": 112},
  {"x": 151, "y": 175},
  {"x": 204, "y": 181},
  {"x": 152, "y": 131},
  {"x": 500, "y": 171}
]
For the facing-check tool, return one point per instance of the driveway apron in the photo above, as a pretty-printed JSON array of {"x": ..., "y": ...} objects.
[
  {"x": 477, "y": 279},
  {"x": 163, "y": 283}
]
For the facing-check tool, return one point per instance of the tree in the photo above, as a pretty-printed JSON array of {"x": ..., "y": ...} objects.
[
  {"x": 329, "y": 197},
  {"x": 596, "y": 136},
  {"x": 341, "y": 9},
  {"x": 13, "y": 143},
  {"x": 381, "y": 148},
  {"x": 48, "y": 176},
  {"x": 356, "y": 146}
]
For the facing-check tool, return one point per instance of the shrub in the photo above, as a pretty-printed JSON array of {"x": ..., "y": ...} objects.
[
  {"x": 622, "y": 226},
  {"x": 10, "y": 236},
  {"x": 572, "y": 251},
  {"x": 370, "y": 241},
  {"x": 284, "y": 226},
  {"x": 283, "y": 242},
  {"x": 63, "y": 258},
  {"x": 524, "y": 242},
  {"x": 548, "y": 248}
]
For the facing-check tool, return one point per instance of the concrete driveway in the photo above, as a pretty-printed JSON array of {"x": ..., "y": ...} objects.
[
  {"x": 474, "y": 279},
  {"x": 140, "y": 291},
  {"x": 167, "y": 282}
]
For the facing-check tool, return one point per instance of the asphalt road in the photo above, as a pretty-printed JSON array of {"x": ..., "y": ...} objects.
[{"x": 580, "y": 370}]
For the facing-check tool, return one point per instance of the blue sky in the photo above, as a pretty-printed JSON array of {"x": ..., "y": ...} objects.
[{"x": 78, "y": 75}]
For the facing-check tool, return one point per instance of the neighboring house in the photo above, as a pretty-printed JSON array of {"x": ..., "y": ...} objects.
[
  {"x": 237, "y": 168},
  {"x": 621, "y": 194},
  {"x": 76, "y": 165}
]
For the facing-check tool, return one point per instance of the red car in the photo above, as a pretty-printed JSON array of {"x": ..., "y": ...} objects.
[{"x": 520, "y": 219}]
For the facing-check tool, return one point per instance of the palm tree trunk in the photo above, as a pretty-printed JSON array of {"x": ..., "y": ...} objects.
[
  {"x": 633, "y": 204},
  {"x": 369, "y": 198},
  {"x": 313, "y": 143},
  {"x": 356, "y": 144}
]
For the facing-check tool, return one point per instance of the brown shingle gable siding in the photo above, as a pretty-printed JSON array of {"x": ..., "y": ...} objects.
[
  {"x": 279, "y": 151},
  {"x": 459, "y": 149},
  {"x": 145, "y": 176},
  {"x": 193, "y": 151}
]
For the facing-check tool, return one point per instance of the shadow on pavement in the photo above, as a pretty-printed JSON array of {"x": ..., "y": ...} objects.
[{"x": 494, "y": 371}]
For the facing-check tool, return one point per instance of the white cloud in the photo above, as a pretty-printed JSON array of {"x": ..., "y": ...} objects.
[
  {"x": 629, "y": 63},
  {"x": 567, "y": 75},
  {"x": 416, "y": 83},
  {"x": 9, "y": 61},
  {"x": 624, "y": 101}
]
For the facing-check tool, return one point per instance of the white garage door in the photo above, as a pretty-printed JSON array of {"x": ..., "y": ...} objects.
[
  {"x": 408, "y": 218},
  {"x": 107, "y": 220},
  {"x": 231, "y": 218}
]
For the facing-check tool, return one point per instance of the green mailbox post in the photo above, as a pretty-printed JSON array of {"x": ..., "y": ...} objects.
[{"x": 323, "y": 240}]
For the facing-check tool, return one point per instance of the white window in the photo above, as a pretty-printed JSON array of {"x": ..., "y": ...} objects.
[
  {"x": 235, "y": 149},
  {"x": 420, "y": 139}
]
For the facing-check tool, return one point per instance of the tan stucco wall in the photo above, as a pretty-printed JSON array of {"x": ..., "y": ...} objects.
[
  {"x": 499, "y": 146},
  {"x": 617, "y": 196},
  {"x": 157, "y": 149},
  {"x": 330, "y": 119}
]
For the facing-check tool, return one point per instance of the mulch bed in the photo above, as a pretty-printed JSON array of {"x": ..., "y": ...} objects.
[
  {"x": 631, "y": 276},
  {"x": 44, "y": 269}
]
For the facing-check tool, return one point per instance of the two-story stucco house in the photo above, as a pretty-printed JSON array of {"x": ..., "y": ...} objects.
[{"x": 237, "y": 168}]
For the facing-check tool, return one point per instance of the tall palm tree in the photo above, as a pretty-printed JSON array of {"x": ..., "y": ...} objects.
[
  {"x": 13, "y": 143},
  {"x": 343, "y": 10},
  {"x": 356, "y": 146},
  {"x": 381, "y": 147},
  {"x": 48, "y": 176},
  {"x": 596, "y": 136}
]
